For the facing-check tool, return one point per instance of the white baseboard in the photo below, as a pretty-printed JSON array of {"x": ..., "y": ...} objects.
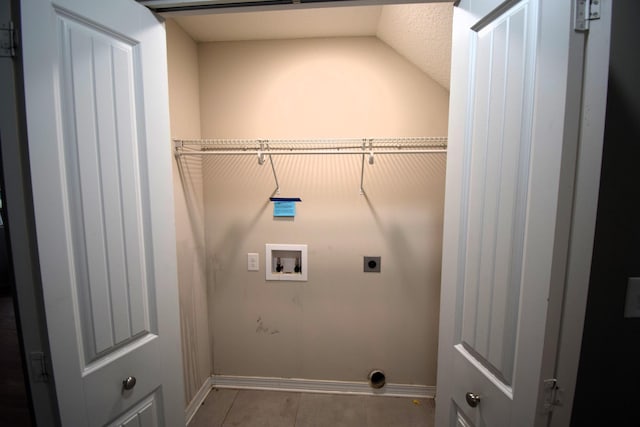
[
  {"x": 321, "y": 386},
  {"x": 197, "y": 400}
]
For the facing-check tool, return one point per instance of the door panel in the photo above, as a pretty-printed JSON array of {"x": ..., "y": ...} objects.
[
  {"x": 493, "y": 220},
  {"x": 461, "y": 421},
  {"x": 144, "y": 414},
  {"x": 100, "y": 154},
  {"x": 509, "y": 187},
  {"x": 106, "y": 199}
]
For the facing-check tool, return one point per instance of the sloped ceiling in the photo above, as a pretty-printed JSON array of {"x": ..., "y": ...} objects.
[
  {"x": 419, "y": 32},
  {"x": 422, "y": 34}
]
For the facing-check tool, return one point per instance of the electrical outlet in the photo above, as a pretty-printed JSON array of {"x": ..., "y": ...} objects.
[
  {"x": 372, "y": 264},
  {"x": 253, "y": 262}
]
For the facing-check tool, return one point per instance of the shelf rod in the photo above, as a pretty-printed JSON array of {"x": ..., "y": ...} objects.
[
  {"x": 354, "y": 141},
  {"x": 294, "y": 152}
]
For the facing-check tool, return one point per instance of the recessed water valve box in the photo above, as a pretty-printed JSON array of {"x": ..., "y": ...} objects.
[
  {"x": 286, "y": 262},
  {"x": 372, "y": 264}
]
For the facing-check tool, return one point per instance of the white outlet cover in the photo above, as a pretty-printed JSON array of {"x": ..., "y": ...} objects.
[
  {"x": 253, "y": 262},
  {"x": 632, "y": 303}
]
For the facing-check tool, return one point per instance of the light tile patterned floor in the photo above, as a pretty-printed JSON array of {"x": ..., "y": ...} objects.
[{"x": 252, "y": 408}]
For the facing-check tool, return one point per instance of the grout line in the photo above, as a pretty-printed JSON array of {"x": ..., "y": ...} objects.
[
  {"x": 230, "y": 406},
  {"x": 295, "y": 420},
  {"x": 365, "y": 409}
]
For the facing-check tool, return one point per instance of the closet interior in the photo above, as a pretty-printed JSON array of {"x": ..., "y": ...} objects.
[{"x": 348, "y": 123}]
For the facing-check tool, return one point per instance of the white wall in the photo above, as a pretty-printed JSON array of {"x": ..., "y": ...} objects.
[
  {"x": 342, "y": 322},
  {"x": 187, "y": 172}
]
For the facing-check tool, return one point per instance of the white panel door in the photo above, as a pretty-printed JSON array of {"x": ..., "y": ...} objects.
[
  {"x": 509, "y": 168},
  {"x": 99, "y": 145}
]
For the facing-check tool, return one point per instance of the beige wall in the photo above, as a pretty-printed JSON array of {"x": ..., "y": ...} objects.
[
  {"x": 340, "y": 87},
  {"x": 342, "y": 322},
  {"x": 189, "y": 208}
]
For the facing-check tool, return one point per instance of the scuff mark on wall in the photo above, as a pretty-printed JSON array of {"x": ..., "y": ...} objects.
[{"x": 261, "y": 329}]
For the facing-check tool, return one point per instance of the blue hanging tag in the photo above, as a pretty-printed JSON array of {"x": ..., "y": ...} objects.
[{"x": 284, "y": 206}]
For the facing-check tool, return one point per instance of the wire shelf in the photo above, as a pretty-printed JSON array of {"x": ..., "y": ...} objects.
[
  {"x": 309, "y": 146},
  {"x": 264, "y": 148}
]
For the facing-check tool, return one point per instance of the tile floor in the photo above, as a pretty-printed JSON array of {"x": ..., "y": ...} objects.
[{"x": 249, "y": 408}]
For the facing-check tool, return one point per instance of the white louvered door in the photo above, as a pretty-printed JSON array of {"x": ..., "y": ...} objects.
[
  {"x": 508, "y": 197},
  {"x": 99, "y": 144}
]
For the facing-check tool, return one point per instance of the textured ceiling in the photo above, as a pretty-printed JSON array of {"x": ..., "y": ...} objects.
[
  {"x": 422, "y": 34},
  {"x": 419, "y": 32},
  {"x": 283, "y": 24}
]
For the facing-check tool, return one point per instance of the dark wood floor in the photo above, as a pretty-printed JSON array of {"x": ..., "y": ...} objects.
[{"x": 14, "y": 408}]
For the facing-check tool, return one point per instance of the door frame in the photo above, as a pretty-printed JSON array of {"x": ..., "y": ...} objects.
[
  {"x": 30, "y": 314},
  {"x": 587, "y": 179},
  {"x": 584, "y": 210}
]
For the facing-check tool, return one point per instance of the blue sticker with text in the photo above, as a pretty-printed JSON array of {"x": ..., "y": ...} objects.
[{"x": 284, "y": 208}]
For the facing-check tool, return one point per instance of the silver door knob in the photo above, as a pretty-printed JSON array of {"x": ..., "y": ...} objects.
[
  {"x": 128, "y": 383},
  {"x": 472, "y": 399}
]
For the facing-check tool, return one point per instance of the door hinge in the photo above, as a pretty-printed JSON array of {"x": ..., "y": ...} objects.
[
  {"x": 7, "y": 40},
  {"x": 551, "y": 394},
  {"x": 39, "y": 371},
  {"x": 585, "y": 12}
]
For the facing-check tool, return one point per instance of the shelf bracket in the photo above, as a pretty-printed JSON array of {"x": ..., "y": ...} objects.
[
  {"x": 264, "y": 147},
  {"x": 178, "y": 145},
  {"x": 261, "y": 153},
  {"x": 273, "y": 169},
  {"x": 364, "y": 149},
  {"x": 364, "y": 144}
]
